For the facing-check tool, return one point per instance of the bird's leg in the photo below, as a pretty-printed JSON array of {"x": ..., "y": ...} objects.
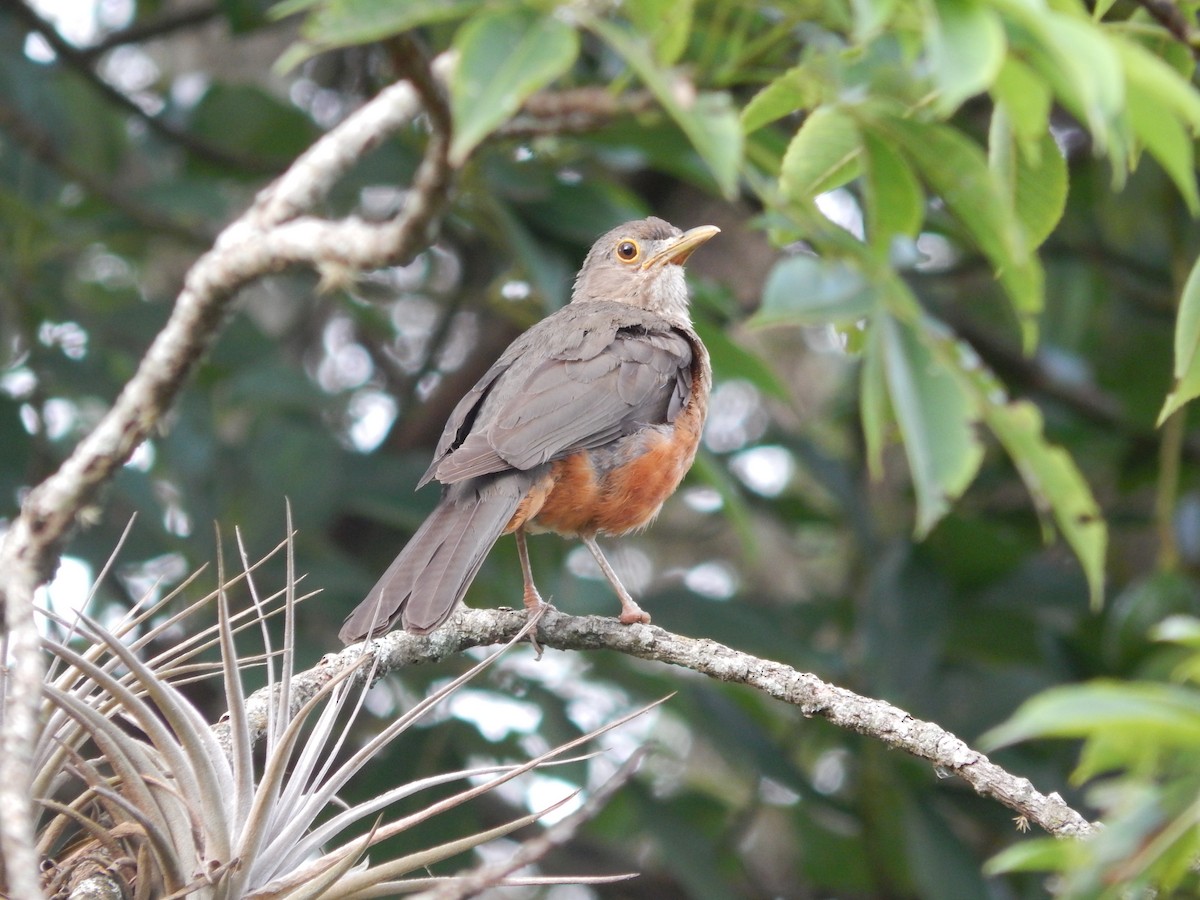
[
  {"x": 534, "y": 604},
  {"x": 532, "y": 598},
  {"x": 630, "y": 611}
]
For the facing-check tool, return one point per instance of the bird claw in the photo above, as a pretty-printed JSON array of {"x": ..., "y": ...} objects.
[
  {"x": 632, "y": 614},
  {"x": 535, "y": 610}
]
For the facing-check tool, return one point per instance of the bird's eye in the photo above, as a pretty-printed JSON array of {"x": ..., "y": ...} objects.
[{"x": 628, "y": 251}]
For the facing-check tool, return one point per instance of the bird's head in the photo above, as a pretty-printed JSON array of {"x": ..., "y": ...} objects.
[{"x": 641, "y": 263}]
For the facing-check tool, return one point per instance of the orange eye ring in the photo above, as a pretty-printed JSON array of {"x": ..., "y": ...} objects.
[{"x": 628, "y": 250}]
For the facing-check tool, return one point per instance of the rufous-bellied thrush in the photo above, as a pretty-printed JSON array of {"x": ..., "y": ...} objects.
[{"x": 585, "y": 425}]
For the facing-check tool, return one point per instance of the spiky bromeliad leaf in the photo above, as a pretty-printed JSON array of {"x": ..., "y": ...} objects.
[{"x": 182, "y": 804}]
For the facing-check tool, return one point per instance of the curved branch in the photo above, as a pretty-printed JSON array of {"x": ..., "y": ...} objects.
[
  {"x": 812, "y": 696},
  {"x": 320, "y": 167},
  {"x": 242, "y": 253}
]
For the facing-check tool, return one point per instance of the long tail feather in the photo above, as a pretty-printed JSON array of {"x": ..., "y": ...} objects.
[{"x": 425, "y": 582}]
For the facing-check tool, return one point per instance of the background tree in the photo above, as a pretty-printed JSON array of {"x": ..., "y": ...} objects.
[{"x": 949, "y": 311}]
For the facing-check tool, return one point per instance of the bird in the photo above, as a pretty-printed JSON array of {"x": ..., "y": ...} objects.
[{"x": 584, "y": 426}]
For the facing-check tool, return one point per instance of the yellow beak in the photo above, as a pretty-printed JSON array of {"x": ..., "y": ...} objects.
[{"x": 681, "y": 248}]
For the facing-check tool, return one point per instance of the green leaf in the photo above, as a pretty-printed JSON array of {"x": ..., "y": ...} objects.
[
  {"x": 710, "y": 121},
  {"x": 667, "y": 23},
  {"x": 1156, "y": 126},
  {"x": 823, "y": 155},
  {"x": 894, "y": 199},
  {"x": 792, "y": 91},
  {"x": 1187, "y": 388},
  {"x": 966, "y": 48},
  {"x": 871, "y": 17},
  {"x": 504, "y": 58},
  {"x": 1054, "y": 482},
  {"x": 936, "y": 417},
  {"x": 1026, "y": 98},
  {"x": 805, "y": 290},
  {"x": 955, "y": 168},
  {"x": 1154, "y": 76},
  {"x": 1178, "y": 629},
  {"x": 1041, "y": 193},
  {"x": 712, "y": 125},
  {"x": 1187, "y": 331},
  {"x": 1167, "y": 715},
  {"x": 1050, "y": 474},
  {"x": 345, "y": 23},
  {"x": 1187, "y": 343},
  {"x": 873, "y": 401},
  {"x": 1079, "y": 58},
  {"x": 1034, "y": 175},
  {"x": 1038, "y": 855}
]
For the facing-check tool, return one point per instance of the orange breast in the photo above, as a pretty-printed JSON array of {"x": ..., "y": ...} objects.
[
  {"x": 620, "y": 488},
  {"x": 615, "y": 490},
  {"x": 567, "y": 496}
]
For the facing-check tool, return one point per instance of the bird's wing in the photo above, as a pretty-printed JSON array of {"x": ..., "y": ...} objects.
[
  {"x": 550, "y": 402},
  {"x": 462, "y": 417}
]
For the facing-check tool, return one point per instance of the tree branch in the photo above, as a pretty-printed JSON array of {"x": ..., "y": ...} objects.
[
  {"x": 574, "y": 110},
  {"x": 38, "y": 144},
  {"x": 80, "y": 62},
  {"x": 244, "y": 251},
  {"x": 1173, "y": 19},
  {"x": 159, "y": 26},
  {"x": 814, "y": 697}
]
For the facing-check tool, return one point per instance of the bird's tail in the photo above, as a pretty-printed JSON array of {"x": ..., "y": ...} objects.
[{"x": 425, "y": 582}]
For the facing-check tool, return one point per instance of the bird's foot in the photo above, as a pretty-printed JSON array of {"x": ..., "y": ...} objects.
[
  {"x": 632, "y": 614},
  {"x": 533, "y": 600},
  {"x": 535, "y": 608}
]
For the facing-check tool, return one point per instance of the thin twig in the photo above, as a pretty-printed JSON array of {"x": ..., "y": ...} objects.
[
  {"x": 1172, "y": 18},
  {"x": 81, "y": 63},
  {"x": 574, "y": 110},
  {"x": 160, "y": 26},
  {"x": 38, "y": 144},
  {"x": 812, "y": 696}
]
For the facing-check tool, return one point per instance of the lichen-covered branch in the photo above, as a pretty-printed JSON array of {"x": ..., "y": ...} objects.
[{"x": 812, "y": 696}]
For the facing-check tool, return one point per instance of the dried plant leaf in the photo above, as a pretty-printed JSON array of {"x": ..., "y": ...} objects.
[{"x": 185, "y": 817}]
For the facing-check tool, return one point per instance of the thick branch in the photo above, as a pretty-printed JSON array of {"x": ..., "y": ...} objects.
[
  {"x": 814, "y": 697},
  {"x": 244, "y": 251}
]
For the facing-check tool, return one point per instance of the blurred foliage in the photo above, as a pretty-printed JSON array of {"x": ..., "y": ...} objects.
[{"x": 950, "y": 306}]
